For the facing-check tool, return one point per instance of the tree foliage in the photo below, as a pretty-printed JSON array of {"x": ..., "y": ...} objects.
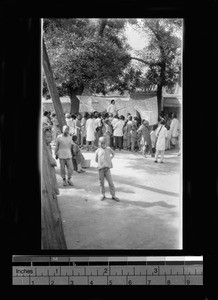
[
  {"x": 163, "y": 53},
  {"x": 86, "y": 52}
]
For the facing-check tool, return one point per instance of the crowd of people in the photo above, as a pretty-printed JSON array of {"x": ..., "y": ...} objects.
[
  {"x": 108, "y": 132},
  {"x": 123, "y": 133}
]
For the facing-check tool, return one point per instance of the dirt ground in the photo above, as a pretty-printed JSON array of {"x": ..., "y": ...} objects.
[{"x": 148, "y": 216}]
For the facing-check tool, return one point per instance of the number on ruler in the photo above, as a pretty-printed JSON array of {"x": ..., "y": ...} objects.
[
  {"x": 91, "y": 282},
  {"x": 155, "y": 270},
  {"x": 130, "y": 282},
  {"x": 105, "y": 270},
  {"x": 110, "y": 282},
  {"x": 52, "y": 282},
  {"x": 71, "y": 282},
  {"x": 168, "y": 282},
  {"x": 188, "y": 282},
  {"x": 149, "y": 282},
  {"x": 32, "y": 282}
]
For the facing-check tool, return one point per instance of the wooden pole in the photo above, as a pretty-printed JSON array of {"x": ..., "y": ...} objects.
[
  {"x": 52, "y": 88},
  {"x": 52, "y": 235}
]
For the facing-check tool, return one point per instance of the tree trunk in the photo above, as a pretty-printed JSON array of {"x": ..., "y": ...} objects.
[
  {"x": 52, "y": 88},
  {"x": 159, "y": 97},
  {"x": 52, "y": 235},
  {"x": 103, "y": 23},
  {"x": 74, "y": 100},
  {"x": 160, "y": 85}
]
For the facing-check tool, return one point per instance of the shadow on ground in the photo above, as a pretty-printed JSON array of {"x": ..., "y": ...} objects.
[{"x": 129, "y": 182}]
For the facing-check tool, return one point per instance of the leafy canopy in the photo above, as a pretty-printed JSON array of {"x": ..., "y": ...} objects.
[{"x": 86, "y": 52}]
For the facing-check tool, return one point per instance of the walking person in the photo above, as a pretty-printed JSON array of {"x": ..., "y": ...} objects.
[
  {"x": 104, "y": 156},
  {"x": 161, "y": 136},
  {"x": 63, "y": 152}
]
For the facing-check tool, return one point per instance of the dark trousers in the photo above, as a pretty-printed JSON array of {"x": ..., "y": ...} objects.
[
  {"x": 111, "y": 141},
  {"x": 118, "y": 142}
]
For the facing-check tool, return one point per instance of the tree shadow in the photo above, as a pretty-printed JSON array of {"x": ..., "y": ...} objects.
[
  {"x": 125, "y": 181},
  {"x": 116, "y": 178},
  {"x": 151, "y": 167},
  {"x": 146, "y": 204}
]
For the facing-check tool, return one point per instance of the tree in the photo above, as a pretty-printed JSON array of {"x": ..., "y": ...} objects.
[
  {"x": 52, "y": 88},
  {"x": 162, "y": 55},
  {"x": 52, "y": 234},
  {"x": 86, "y": 53}
]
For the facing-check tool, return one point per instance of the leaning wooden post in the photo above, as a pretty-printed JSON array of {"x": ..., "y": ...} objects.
[
  {"x": 52, "y": 235},
  {"x": 52, "y": 88}
]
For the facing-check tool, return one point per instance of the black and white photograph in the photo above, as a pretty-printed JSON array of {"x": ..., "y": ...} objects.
[
  {"x": 111, "y": 123},
  {"x": 108, "y": 147}
]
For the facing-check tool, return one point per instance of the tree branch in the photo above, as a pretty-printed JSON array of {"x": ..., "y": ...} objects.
[
  {"x": 146, "y": 62},
  {"x": 102, "y": 26}
]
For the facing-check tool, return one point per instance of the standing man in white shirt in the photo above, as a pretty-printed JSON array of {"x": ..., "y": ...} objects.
[{"x": 112, "y": 109}]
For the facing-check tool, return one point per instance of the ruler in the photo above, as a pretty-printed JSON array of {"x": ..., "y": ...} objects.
[{"x": 107, "y": 270}]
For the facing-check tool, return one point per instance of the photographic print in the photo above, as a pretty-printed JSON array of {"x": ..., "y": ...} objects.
[{"x": 111, "y": 123}]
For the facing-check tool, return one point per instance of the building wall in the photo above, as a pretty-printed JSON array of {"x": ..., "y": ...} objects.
[{"x": 48, "y": 106}]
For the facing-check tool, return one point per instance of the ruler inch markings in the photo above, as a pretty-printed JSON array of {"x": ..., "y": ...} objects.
[{"x": 174, "y": 271}]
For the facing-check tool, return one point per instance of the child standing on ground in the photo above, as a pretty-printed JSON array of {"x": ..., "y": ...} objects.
[
  {"x": 77, "y": 156},
  {"x": 103, "y": 157}
]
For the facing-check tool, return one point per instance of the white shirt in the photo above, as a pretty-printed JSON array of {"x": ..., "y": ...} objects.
[
  {"x": 63, "y": 146},
  {"x": 72, "y": 124},
  {"x": 45, "y": 119},
  {"x": 90, "y": 130},
  {"x": 98, "y": 122},
  {"x": 112, "y": 109},
  {"x": 103, "y": 157},
  {"x": 174, "y": 127},
  {"x": 161, "y": 132},
  {"x": 118, "y": 128},
  {"x": 114, "y": 121}
]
